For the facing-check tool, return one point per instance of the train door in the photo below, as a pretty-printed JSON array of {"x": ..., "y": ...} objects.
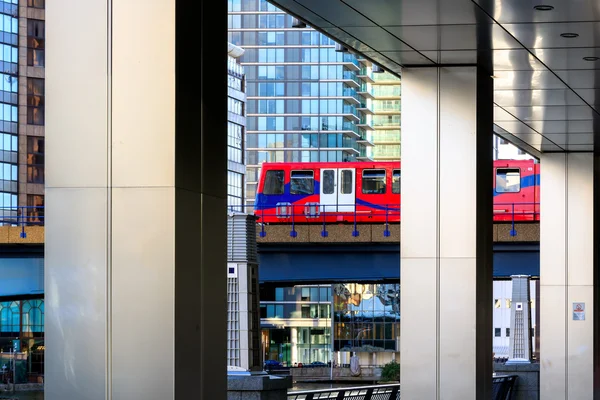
[
  {"x": 338, "y": 189},
  {"x": 346, "y": 194},
  {"x": 329, "y": 190}
]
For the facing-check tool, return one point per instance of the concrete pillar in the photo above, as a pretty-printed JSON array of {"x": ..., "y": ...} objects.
[
  {"x": 446, "y": 245},
  {"x": 135, "y": 200},
  {"x": 566, "y": 273},
  {"x": 294, "y": 341}
]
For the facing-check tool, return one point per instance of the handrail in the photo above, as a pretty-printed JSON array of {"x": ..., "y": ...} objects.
[
  {"x": 503, "y": 387},
  {"x": 381, "y": 392}
]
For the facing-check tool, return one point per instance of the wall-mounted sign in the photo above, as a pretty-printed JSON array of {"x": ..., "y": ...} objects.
[{"x": 578, "y": 311}]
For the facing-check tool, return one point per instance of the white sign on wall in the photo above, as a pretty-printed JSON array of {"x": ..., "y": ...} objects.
[{"x": 578, "y": 311}]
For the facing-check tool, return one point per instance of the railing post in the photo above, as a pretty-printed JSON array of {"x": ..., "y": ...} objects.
[
  {"x": 386, "y": 232},
  {"x": 324, "y": 232},
  {"x": 293, "y": 233},
  {"x": 513, "y": 231},
  {"x": 23, "y": 234},
  {"x": 262, "y": 223},
  {"x": 355, "y": 232}
]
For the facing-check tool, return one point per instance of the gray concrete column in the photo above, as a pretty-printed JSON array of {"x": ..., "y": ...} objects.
[
  {"x": 566, "y": 274},
  {"x": 446, "y": 245},
  {"x": 136, "y": 200}
]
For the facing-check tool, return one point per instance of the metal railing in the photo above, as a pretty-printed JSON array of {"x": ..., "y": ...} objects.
[
  {"x": 293, "y": 214},
  {"x": 323, "y": 214},
  {"x": 513, "y": 212},
  {"x": 379, "y": 392},
  {"x": 22, "y": 216},
  {"x": 502, "y": 389}
]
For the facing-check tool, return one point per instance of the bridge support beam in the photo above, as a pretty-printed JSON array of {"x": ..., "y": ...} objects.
[
  {"x": 136, "y": 198},
  {"x": 446, "y": 234},
  {"x": 566, "y": 275}
]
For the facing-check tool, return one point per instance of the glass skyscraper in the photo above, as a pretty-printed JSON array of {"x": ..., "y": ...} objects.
[{"x": 304, "y": 98}]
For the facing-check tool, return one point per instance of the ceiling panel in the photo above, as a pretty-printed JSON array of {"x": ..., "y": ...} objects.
[
  {"x": 534, "y": 79},
  {"x": 345, "y": 38},
  {"x": 516, "y": 59},
  {"x": 340, "y": 15},
  {"x": 551, "y": 127},
  {"x": 581, "y": 78},
  {"x": 519, "y": 11},
  {"x": 568, "y": 58},
  {"x": 552, "y": 97},
  {"x": 377, "y": 37},
  {"x": 417, "y": 12},
  {"x": 551, "y": 113},
  {"x": 571, "y": 139},
  {"x": 548, "y": 35},
  {"x": 454, "y": 37},
  {"x": 400, "y": 57}
]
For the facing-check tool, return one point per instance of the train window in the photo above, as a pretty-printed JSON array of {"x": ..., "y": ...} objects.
[
  {"x": 302, "y": 182},
  {"x": 508, "y": 180},
  {"x": 274, "y": 182},
  {"x": 373, "y": 181},
  {"x": 396, "y": 181},
  {"x": 328, "y": 181},
  {"x": 346, "y": 182}
]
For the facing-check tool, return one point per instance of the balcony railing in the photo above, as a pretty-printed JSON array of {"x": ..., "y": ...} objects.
[
  {"x": 349, "y": 75},
  {"x": 386, "y": 121},
  {"x": 351, "y": 59},
  {"x": 386, "y": 108},
  {"x": 348, "y": 109},
  {"x": 385, "y": 77},
  {"x": 386, "y": 91},
  {"x": 364, "y": 88},
  {"x": 367, "y": 73}
]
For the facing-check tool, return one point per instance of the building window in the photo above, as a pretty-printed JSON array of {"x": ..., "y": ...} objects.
[
  {"x": 497, "y": 303},
  {"x": 35, "y": 209},
  {"x": 35, "y": 3},
  {"x": 373, "y": 181},
  {"x": 35, "y": 159},
  {"x": 302, "y": 182},
  {"x": 507, "y": 332},
  {"x": 235, "y": 106},
  {"x": 35, "y": 101},
  {"x": 234, "y": 191},
  {"x": 508, "y": 303},
  {"x": 508, "y": 180},
  {"x": 234, "y": 142},
  {"x": 396, "y": 181},
  {"x": 497, "y": 332},
  {"x": 274, "y": 182},
  {"x": 35, "y": 43}
]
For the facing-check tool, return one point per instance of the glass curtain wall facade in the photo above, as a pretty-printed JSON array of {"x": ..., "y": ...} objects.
[
  {"x": 9, "y": 112},
  {"x": 297, "y": 322},
  {"x": 236, "y": 130},
  {"x": 303, "y": 101},
  {"x": 22, "y": 339}
]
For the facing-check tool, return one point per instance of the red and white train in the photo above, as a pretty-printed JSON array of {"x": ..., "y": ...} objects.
[{"x": 370, "y": 192}]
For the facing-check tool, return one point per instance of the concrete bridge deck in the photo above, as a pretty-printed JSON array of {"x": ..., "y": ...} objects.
[
  {"x": 367, "y": 233},
  {"x": 374, "y": 233}
]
